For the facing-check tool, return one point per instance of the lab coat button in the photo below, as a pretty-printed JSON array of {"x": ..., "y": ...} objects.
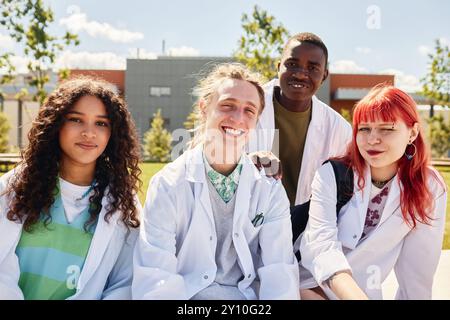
[
  {"x": 210, "y": 238},
  {"x": 354, "y": 236},
  {"x": 205, "y": 277},
  {"x": 236, "y": 235},
  {"x": 249, "y": 275}
]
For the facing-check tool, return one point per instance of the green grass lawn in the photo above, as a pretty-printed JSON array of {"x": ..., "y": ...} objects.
[
  {"x": 148, "y": 170},
  {"x": 445, "y": 171}
]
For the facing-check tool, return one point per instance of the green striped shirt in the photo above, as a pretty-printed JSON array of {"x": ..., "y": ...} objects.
[{"x": 51, "y": 257}]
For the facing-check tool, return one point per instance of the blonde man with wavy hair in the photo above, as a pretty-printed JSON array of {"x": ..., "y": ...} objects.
[{"x": 214, "y": 226}]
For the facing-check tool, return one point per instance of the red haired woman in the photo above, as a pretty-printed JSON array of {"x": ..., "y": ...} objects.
[{"x": 395, "y": 218}]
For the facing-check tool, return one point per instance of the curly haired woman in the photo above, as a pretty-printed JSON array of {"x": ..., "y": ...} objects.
[{"x": 69, "y": 210}]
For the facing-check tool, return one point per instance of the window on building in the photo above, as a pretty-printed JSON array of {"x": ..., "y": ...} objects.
[{"x": 159, "y": 91}]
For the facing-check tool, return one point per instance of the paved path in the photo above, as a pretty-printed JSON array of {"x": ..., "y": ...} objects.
[{"x": 441, "y": 286}]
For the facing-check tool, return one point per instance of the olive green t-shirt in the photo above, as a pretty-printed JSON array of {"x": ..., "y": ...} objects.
[{"x": 292, "y": 129}]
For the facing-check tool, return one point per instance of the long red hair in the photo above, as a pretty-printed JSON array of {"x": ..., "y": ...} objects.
[{"x": 389, "y": 104}]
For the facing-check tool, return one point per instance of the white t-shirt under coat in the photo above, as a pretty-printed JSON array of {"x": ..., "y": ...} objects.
[{"x": 69, "y": 193}]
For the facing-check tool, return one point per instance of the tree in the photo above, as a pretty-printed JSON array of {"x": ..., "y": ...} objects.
[
  {"x": 191, "y": 120},
  {"x": 157, "y": 140},
  {"x": 27, "y": 22},
  {"x": 262, "y": 42},
  {"x": 436, "y": 83},
  {"x": 4, "y": 130},
  {"x": 439, "y": 135},
  {"x": 347, "y": 115}
]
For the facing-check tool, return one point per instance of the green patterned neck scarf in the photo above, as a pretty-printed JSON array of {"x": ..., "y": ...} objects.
[{"x": 225, "y": 185}]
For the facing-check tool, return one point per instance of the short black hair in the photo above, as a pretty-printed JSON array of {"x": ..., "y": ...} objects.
[{"x": 310, "y": 38}]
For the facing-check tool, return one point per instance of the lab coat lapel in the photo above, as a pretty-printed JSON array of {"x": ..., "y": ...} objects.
[
  {"x": 261, "y": 138},
  {"x": 392, "y": 202},
  {"x": 310, "y": 155},
  {"x": 195, "y": 169},
  {"x": 248, "y": 177},
  {"x": 10, "y": 232},
  {"x": 102, "y": 237},
  {"x": 362, "y": 195}
]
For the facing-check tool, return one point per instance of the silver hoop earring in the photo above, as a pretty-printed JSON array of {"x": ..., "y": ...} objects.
[{"x": 410, "y": 156}]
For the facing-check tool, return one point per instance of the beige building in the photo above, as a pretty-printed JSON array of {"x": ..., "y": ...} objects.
[
  {"x": 29, "y": 112},
  {"x": 20, "y": 119}
]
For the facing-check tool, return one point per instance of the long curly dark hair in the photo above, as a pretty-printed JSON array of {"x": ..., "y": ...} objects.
[{"x": 33, "y": 184}]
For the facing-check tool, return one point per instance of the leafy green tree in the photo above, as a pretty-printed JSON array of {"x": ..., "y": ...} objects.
[
  {"x": 28, "y": 22},
  {"x": 157, "y": 140},
  {"x": 4, "y": 130},
  {"x": 346, "y": 114},
  {"x": 436, "y": 83},
  {"x": 439, "y": 135},
  {"x": 262, "y": 43},
  {"x": 191, "y": 120}
]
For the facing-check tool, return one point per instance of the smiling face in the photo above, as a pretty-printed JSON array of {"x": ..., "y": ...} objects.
[
  {"x": 382, "y": 144},
  {"x": 229, "y": 116},
  {"x": 85, "y": 132},
  {"x": 301, "y": 71}
]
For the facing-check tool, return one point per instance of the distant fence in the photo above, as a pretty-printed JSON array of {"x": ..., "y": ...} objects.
[
  {"x": 441, "y": 162},
  {"x": 8, "y": 161}
]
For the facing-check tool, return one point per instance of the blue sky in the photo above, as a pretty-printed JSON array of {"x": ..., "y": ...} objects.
[{"x": 362, "y": 36}]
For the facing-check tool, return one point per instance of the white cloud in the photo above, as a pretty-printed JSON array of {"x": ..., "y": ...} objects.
[
  {"x": 404, "y": 81},
  {"x": 142, "y": 54},
  {"x": 444, "y": 41},
  {"x": 19, "y": 62},
  {"x": 78, "y": 21},
  {"x": 363, "y": 50},
  {"x": 183, "y": 51},
  {"x": 346, "y": 66},
  {"x": 424, "y": 50},
  {"x": 72, "y": 9},
  {"x": 90, "y": 60},
  {"x": 6, "y": 42}
]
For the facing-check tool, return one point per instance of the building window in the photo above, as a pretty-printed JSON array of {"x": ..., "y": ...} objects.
[{"x": 159, "y": 91}]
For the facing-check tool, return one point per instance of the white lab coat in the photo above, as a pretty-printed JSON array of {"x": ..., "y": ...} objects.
[
  {"x": 175, "y": 253},
  {"x": 107, "y": 272},
  {"x": 328, "y": 135},
  {"x": 328, "y": 246}
]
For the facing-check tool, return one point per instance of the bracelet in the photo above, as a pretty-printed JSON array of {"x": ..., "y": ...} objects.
[{"x": 328, "y": 281}]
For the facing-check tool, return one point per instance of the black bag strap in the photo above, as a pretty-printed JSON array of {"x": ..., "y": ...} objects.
[
  {"x": 344, "y": 183},
  {"x": 299, "y": 219}
]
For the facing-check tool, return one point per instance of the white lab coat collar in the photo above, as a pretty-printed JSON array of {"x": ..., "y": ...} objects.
[
  {"x": 195, "y": 172},
  {"x": 13, "y": 230},
  {"x": 363, "y": 196},
  {"x": 195, "y": 168},
  {"x": 316, "y": 129},
  {"x": 99, "y": 244}
]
